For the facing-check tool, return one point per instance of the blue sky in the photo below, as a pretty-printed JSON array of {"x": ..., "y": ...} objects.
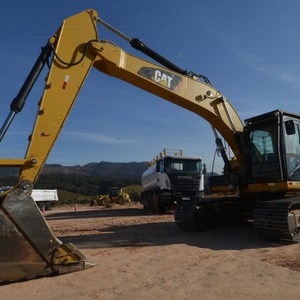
[{"x": 248, "y": 49}]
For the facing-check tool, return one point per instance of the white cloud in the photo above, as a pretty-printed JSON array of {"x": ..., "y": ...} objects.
[
  {"x": 96, "y": 138},
  {"x": 274, "y": 71}
]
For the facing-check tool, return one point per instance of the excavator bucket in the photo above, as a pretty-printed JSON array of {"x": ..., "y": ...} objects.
[{"x": 28, "y": 248}]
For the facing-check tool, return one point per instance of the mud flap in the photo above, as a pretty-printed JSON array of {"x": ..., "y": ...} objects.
[{"x": 28, "y": 248}]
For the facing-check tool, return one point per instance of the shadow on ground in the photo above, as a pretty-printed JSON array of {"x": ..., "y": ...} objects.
[
  {"x": 99, "y": 213},
  {"x": 229, "y": 237}
]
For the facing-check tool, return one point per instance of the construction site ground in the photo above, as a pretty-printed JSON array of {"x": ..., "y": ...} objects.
[{"x": 144, "y": 255}]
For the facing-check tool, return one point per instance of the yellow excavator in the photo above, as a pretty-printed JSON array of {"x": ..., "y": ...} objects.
[{"x": 264, "y": 173}]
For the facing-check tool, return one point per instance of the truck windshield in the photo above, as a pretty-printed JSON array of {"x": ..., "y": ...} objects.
[{"x": 183, "y": 165}]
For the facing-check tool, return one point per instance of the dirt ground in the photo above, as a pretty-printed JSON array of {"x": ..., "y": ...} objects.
[{"x": 143, "y": 255}]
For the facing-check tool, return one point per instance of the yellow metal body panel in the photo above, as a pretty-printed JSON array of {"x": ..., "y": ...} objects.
[
  {"x": 12, "y": 162},
  {"x": 189, "y": 93},
  {"x": 272, "y": 187},
  {"x": 62, "y": 87}
]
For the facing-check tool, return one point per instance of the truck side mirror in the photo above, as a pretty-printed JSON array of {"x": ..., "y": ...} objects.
[{"x": 204, "y": 169}]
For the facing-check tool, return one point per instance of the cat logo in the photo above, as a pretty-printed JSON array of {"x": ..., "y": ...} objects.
[{"x": 161, "y": 77}]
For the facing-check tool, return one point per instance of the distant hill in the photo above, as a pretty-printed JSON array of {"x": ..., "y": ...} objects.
[
  {"x": 88, "y": 180},
  {"x": 111, "y": 169},
  {"x": 85, "y": 181},
  {"x": 99, "y": 169},
  {"x": 131, "y": 169}
]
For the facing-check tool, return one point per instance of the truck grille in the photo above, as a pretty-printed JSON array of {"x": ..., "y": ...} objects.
[{"x": 185, "y": 184}]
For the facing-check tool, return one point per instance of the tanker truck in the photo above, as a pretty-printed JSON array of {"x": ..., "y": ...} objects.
[{"x": 172, "y": 178}]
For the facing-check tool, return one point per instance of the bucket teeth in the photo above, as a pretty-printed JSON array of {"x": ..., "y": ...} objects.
[{"x": 28, "y": 248}]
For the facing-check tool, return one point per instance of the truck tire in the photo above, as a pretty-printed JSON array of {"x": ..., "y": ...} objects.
[
  {"x": 41, "y": 206},
  {"x": 45, "y": 205},
  {"x": 162, "y": 209},
  {"x": 145, "y": 204},
  {"x": 49, "y": 206}
]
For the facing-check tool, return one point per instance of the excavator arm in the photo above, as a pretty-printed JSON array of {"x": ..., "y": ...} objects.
[{"x": 28, "y": 247}]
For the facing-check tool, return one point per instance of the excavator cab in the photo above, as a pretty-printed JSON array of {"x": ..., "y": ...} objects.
[{"x": 273, "y": 152}]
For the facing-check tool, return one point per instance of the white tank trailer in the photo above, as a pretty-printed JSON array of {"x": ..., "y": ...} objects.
[{"x": 171, "y": 178}]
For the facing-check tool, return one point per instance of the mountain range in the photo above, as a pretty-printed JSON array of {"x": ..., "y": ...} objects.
[
  {"x": 111, "y": 169},
  {"x": 99, "y": 169}
]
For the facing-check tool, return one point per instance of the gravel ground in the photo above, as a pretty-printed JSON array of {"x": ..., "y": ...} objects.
[{"x": 144, "y": 255}]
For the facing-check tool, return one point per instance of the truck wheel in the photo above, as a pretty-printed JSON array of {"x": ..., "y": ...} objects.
[
  {"x": 162, "y": 209},
  {"x": 40, "y": 206},
  {"x": 155, "y": 201},
  {"x": 145, "y": 201},
  {"x": 49, "y": 206}
]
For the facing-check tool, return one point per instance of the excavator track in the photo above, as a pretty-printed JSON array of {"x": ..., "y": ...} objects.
[
  {"x": 207, "y": 214},
  {"x": 185, "y": 217},
  {"x": 278, "y": 219}
]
